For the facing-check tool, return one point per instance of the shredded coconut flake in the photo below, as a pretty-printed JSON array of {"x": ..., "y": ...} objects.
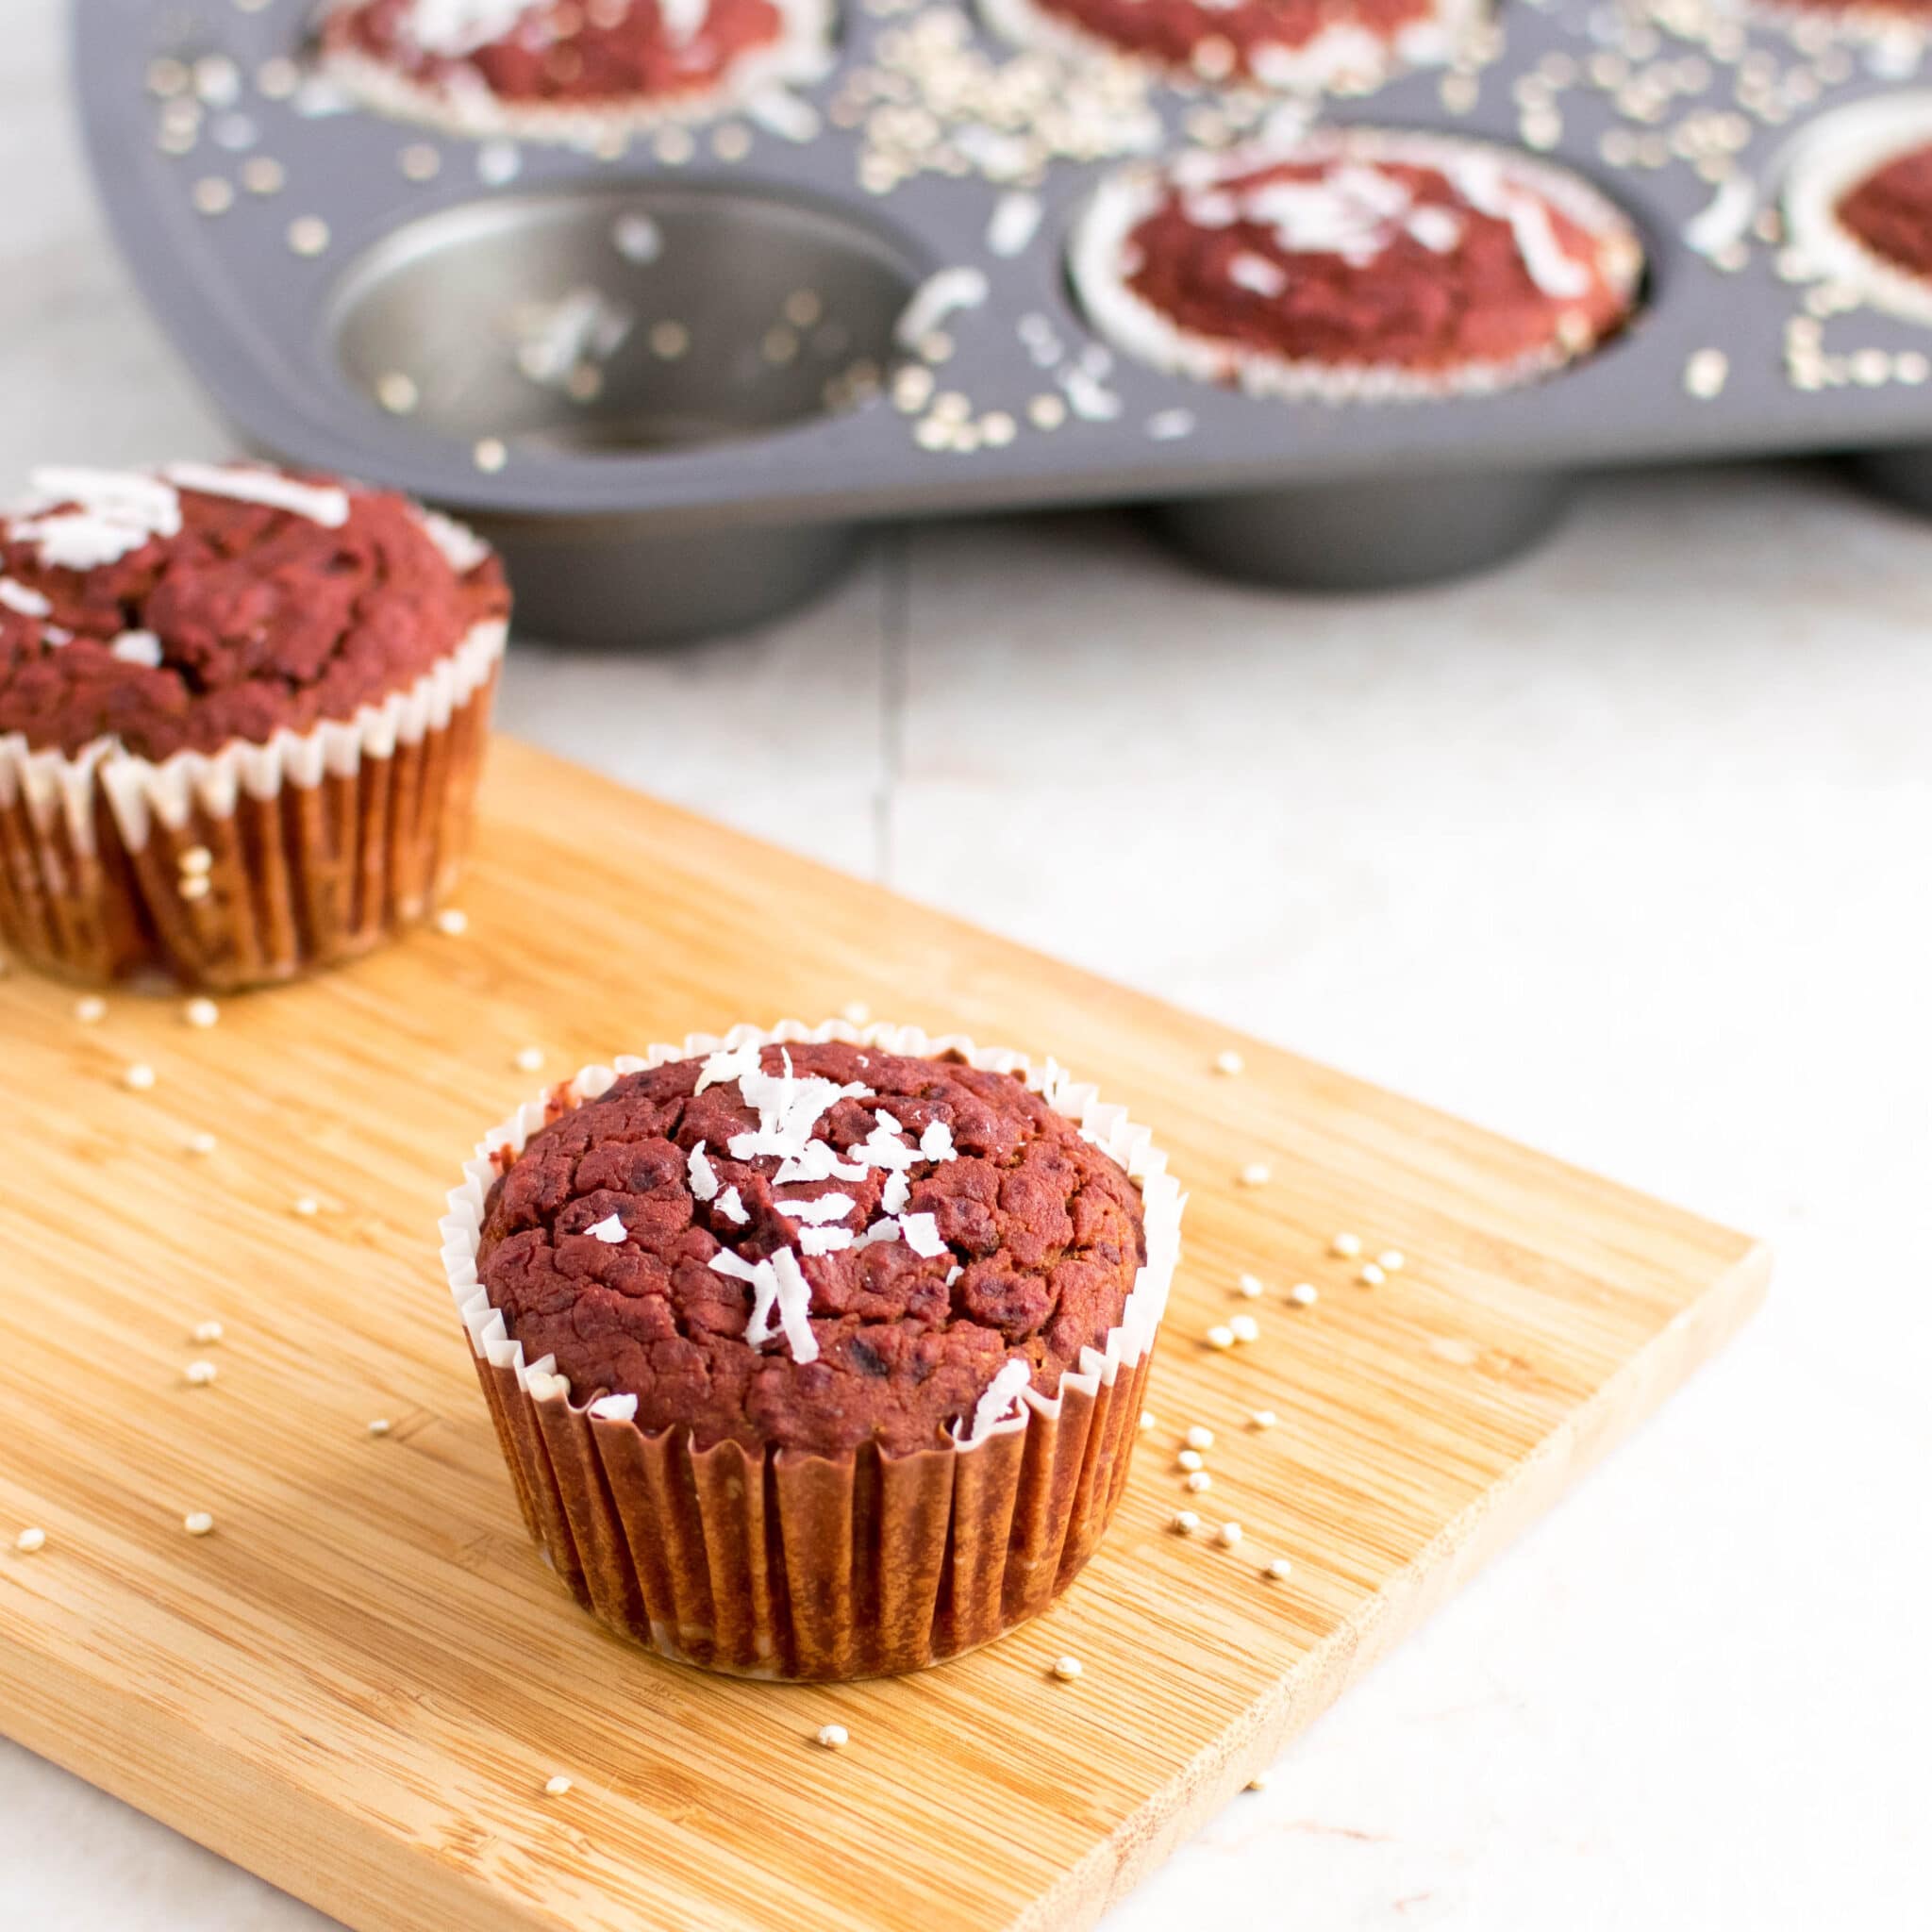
[
  {"x": 898, "y": 1191},
  {"x": 794, "y": 1306},
  {"x": 922, "y": 1232},
  {"x": 609, "y": 1231},
  {"x": 703, "y": 1176},
  {"x": 1002, "y": 1396},
  {"x": 727, "y": 1065},
  {"x": 456, "y": 27},
  {"x": 138, "y": 647},
  {"x": 321, "y": 504},
  {"x": 936, "y": 1143},
  {"x": 114, "y": 514},
  {"x": 824, "y": 1241},
  {"x": 17, "y": 597},
  {"x": 732, "y": 1208},
  {"x": 821, "y": 1207}
]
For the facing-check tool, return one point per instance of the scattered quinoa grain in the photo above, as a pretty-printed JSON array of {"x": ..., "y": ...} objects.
[
  {"x": 1264, "y": 1419},
  {"x": 1347, "y": 1245},
  {"x": 451, "y": 922},
  {"x": 1305, "y": 1295},
  {"x": 834, "y": 1737},
  {"x": 1190, "y": 1460},
  {"x": 1228, "y": 1061},
  {"x": 1230, "y": 1535},
  {"x": 30, "y": 1539},
  {"x": 1389, "y": 1258},
  {"x": 1257, "y": 1174},
  {"x": 203, "y": 1142},
  {"x": 1221, "y": 1336},
  {"x": 92, "y": 1010},
  {"x": 208, "y": 1333},
  {"x": 139, "y": 1078},
  {"x": 1278, "y": 1571},
  {"x": 530, "y": 1059},
  {"x": 380, "y": 1425},
  {"x": 197, "y": 1523},
  {"x": 1149, "y": 1420},
  {"x": 1250, "y": 1287},
  {"x": 201, "y": 1012},
  {"x": 201, "y": 1374},
  {"x": 1199, "y": 1482},
  {"x": 1184, "y": 1523},
  {"x": 1371, "y": 1275},
  {"x": 1244, "y": 1327},
  {"x": 306, "y": 1206},
  {"x": 1067, "y": 1668},
  {"x": 1199, "y": 1438},
  {"x": 555, "y": 1787}
]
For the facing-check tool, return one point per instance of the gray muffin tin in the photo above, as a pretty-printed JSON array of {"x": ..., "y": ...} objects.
[{"x": 699, "y": 491}]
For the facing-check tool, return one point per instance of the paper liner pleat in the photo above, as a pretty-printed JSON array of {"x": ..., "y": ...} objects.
[
  {"x": 779, "y": 1564},
  {"x": 314, "y": 848}
]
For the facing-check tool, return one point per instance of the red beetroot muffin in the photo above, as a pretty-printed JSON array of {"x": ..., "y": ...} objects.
[
  {"x": 1857, "y": 201},
  {"x": 1287, "y": 46},
  {"x": 569, "y": 69},
  {"x": 747, "y": 1293},
  {"x": 1355, "y": 263},
  {"x": 241, "y": 716}
]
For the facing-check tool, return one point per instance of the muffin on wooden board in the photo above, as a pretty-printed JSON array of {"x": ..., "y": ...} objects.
[
  {"x": 241, "y": 719},
  {"x": 818, "y": 1353}
]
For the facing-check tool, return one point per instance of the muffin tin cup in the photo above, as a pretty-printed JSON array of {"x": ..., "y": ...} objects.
[
  {"x": 798, "y": 1567},
  {"x": 253, "y": 864},
  {"x": 1008, "y": 403}
]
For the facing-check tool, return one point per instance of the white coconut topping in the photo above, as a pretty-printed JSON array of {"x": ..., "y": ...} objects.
[
  {"x": 732, "y": 1208},
  {"x": 824, "y": 1241},
  {"x": 941, "y": 295},
  {"x": 885, "y": 1230},
  {"x": 1001, "y": 1398},
  {"x": 20, "y": 598},
  {"x": 703, "y": 1176},
  {"x": 794, "y": 1305},
  {"x": 789, "y": 1110},
  {"x": 936, "y": 1143},
  {"x": 1481, "y": 180},
  {"x": 138, "y": 647},
  {"x": 922, "y": 1232},
  {"x": 1258, "y": 275},
  {"x": 682, "y": 19},
  {"x": 727, "y": 1065},
  {"x": 1436, "y": 228},
  {"x": 883, "y": 1147},
  {"x": 456, "y": 27},
  {"x": 609, "y": 1231},
  {"x": 896, "y": 1192},
  {"x": 115, "y": 512},
  {"x": 321, "y": 504},
  {"x": 821, "y": 1207}
]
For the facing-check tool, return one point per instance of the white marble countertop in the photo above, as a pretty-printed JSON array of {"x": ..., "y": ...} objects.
[{"x": 1622, "y": 851}]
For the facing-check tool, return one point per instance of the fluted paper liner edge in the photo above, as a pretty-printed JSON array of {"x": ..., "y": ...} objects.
[
  {"x": 313, "y": 847},
  {"x": 811, "y": 1567}
]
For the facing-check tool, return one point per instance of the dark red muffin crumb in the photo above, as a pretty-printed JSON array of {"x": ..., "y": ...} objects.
[
  {"x": 995, "y": 1232},
  {"x": 1399, "y": 265},
  {"x": 166, "y": 615},
  {"x": 1891, "y": 212},
  {"x": 559, "y": 53}
]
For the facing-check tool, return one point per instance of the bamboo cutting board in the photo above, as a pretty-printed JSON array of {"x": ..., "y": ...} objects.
[{"x": 359, "y": 1683}]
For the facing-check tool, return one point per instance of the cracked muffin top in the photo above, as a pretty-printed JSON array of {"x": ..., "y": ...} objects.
[{"x": 813, "y": 1247}]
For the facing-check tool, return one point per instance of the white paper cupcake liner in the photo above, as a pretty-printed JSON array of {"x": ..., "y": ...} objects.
[
  {"x": 1097, "y": 253},
  {"x": 256, "y": 862},
  {"x": 799, "y": 1566},
  {"x": 798, "y": 58},
  {"x": 1820, "y": 166},
  {"x": 1342, "y": 56}
]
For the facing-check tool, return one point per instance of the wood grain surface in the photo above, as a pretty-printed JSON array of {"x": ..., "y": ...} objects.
[{"x": 359, "y": 1683}]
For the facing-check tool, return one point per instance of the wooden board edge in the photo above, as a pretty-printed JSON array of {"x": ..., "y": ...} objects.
[{"x": 1222, "y": 1769}]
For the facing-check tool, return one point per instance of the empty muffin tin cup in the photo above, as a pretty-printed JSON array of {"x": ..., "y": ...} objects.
[
  {"x": 628, "y": 324},
  {"x": 1374, "y": 534}
]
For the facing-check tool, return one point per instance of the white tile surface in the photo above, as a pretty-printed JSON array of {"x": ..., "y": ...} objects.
[{"x": 1623, "y": 850}]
